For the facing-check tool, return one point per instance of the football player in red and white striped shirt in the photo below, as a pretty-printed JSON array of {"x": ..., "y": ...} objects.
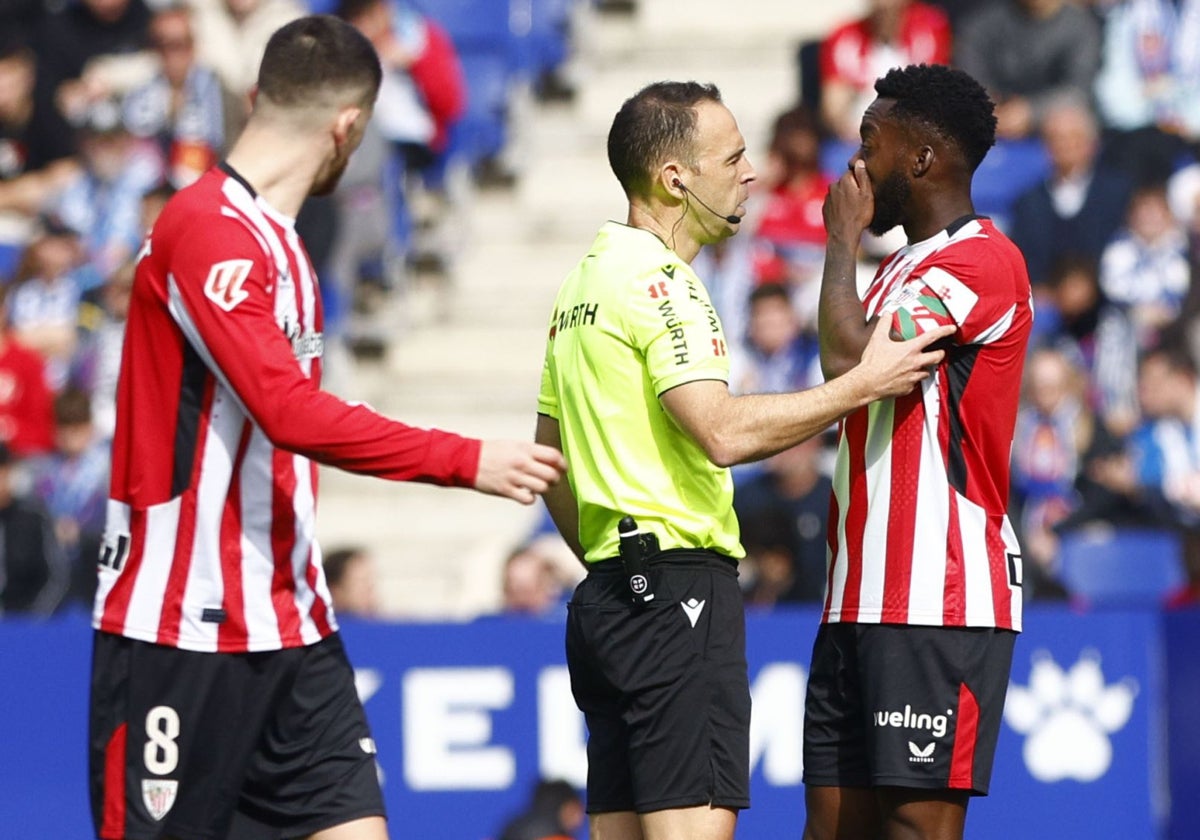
[
  {"x": 923, "y": 601},
  {"x": 221, "y": 694}
]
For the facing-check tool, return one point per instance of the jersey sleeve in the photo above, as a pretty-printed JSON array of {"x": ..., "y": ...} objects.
[
  {"x": 955, "y": 292},
  {"x": 547, "y": 396},
  {"x": 220, "y": 296},
  {"x": 672, "y": 322}
]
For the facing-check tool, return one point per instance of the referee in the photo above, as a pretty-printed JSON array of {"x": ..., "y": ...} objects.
[{"x": 634, "y": 392}]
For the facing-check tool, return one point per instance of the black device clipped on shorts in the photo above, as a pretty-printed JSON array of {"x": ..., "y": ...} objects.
[{"x": 636, "y": 549}]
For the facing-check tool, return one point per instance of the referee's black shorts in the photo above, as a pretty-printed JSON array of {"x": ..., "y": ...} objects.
[
  {"x": 238, "y": 746},
  {"x": 664, "y": 687}
]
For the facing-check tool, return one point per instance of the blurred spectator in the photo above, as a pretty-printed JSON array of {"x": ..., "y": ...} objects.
[
  {"x": 153, "y": 203},
  {"x": 768, "y": 571},
  {"x": 182, "y": 108},
  {"x": 72, "y": 484},
  {"x": 94, "y": 51},
  {"x": 1166, "y": 446},
  {"x": 422, "y": 97},
  {"x": 531, "y": 584},
  {"x": 97, "y": 362},
  {"x": 555, "y": 812},
  {"x": 1096, "y": 336},
  {"x": 43, "y": 303},
  {"x": 1028, "y": 53},
  {"x": 34, "y": 575},
  {"x": 1145, "y": 269},
  {"x": 231, "y": 36},
  {"x": 351, "y": 575},
  {"x": 1054, "y": 428},
  {"x": 727, "y": 269},
  {"x": 1183, "y": 193},
  {"x": 1165, "y": 452},
  {"x": 893, "y": 33},
  {"x": 782, "y": 512},
  {"x": 1080, "y": 207},
  {"x": 1148, "y": 88},
  {"x": 396, "y": 32},
  {"x": 777, "y": 354},
  {"x": 21, "y": 17},
  {"x": 104, "y": 202},
  {"x": 26, "y": 403},
  {"x": 959, "y": 10},
  {"x": 790, "y": 237},
  {"x": 37, "y": 147}
]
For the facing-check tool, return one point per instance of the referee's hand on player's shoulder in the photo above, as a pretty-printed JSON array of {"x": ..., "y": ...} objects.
[
  {"x": 892, "y": 368},
  {"x": 518, "y": 469}
]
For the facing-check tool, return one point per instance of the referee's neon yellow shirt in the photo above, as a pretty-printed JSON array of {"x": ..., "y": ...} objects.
[{"x": 632, "y": 321}]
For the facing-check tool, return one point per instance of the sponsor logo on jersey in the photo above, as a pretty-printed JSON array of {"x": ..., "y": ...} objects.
[
  {"x": 908, "y": 719},
  {"x": 305, "y": 345},
  {"x": 921, "y": 755},
  {"x": 674, "y": 326},
  {"x": 158, "y": 795},
  {"x": 224, "y": 284},
  {"x": 579, "y": 315},
  {"x": 693, "y": 608},
  {"x": 309, "y": 345}
]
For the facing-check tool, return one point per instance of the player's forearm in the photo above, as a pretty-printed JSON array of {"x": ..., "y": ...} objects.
[
  {"x": 756, "y": 426},
  {"x": 560, "y": 498},
  {"x": 353, "y": 437},
  {"x": 842, "y": 329}
]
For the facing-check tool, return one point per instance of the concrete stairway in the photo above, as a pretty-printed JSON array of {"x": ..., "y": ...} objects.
[{"x": 467, "y": 356}]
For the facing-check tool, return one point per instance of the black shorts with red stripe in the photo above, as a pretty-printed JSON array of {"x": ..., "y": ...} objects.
[
  {"x": 905, "y": 706},
  {"x": 200, "y": 746}
]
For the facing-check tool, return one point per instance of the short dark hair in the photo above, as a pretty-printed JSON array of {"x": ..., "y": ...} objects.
[
  {"x": 1070, "y": 264},
  {"x": 72, "y": 407},
  {"x": 796, "y": 119},
  {"x": 1174, "y": 355},
  {"x": 317, "y": 52},
  {"x": 770, "y": 291},
  {"x": 656, "y": 123},
  {"x": 336, "y": 562},
  {"x": 349, "y": 10},
  {"x": 945, "y": 100}
]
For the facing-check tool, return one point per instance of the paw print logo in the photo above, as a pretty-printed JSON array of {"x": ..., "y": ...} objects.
[{"x": 1067, "y": 717}]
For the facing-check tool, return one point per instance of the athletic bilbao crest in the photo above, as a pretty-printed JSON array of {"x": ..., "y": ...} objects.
[
  {"x": 159, "y": 795},
  {"x": 224, "y": 284}
]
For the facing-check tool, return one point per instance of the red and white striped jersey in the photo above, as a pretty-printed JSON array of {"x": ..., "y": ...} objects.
[
  {"x": 209, "y": 542},
  {"x": 919, "y": 531}
]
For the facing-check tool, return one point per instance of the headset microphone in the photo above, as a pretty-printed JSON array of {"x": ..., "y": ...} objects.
[{"x": 732, "y": 219}]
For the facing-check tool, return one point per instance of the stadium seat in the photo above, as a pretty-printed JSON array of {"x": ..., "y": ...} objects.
[
  {"x": 541, "y": 28},
  {"x": 1010, "y": 168},
  {"x": 489, "y": 51},
  {"x": 1104, "y": 566}
]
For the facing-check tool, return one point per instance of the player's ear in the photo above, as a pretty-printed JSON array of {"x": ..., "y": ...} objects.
[
  {"x": 923, "y": 161},
  {"x": 344, "y": 123}
]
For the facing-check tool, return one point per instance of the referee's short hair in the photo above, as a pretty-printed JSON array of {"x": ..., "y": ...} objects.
[
  {"x": 317, "y": 53},
  {"x": 944, "y": 100},
  {"x": 654, "y": 125}
]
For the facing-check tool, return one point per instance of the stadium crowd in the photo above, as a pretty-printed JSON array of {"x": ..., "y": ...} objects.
[{"x": 109, "y": 106}]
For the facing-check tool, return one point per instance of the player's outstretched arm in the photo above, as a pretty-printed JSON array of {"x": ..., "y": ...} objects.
[
  {"x": 734, "y": 430},
  {"x": 518, "y": 469}
]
